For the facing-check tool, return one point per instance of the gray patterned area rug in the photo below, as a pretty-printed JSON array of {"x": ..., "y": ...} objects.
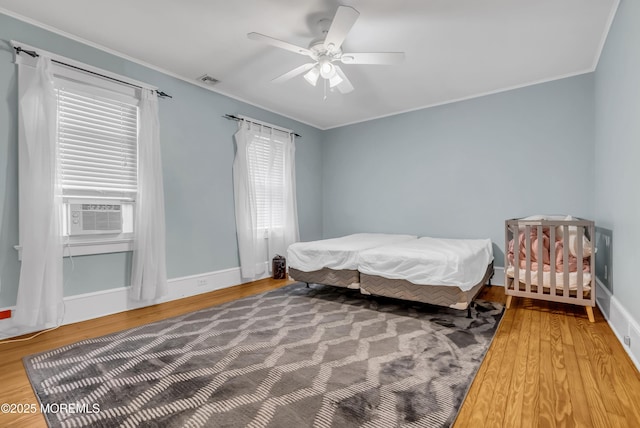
[{"x": 292, "y": 357}]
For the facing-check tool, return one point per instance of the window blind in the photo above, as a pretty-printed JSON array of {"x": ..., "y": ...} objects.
[
  {"x": 97, "y": 141},
  {"x": 266, "y": 166}
]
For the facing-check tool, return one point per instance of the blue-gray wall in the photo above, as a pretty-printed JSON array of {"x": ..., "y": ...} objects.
[
  {"x": 461, "y": 169},
  {"x": 617, "y": 151},
  {"x": 197, "y": 150}
]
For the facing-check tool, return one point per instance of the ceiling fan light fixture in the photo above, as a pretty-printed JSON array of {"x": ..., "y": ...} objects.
[
  {"x": 327, "y": 70},
  {"x": 312, "y": 76},
  {"x": 335, "y": 80}
]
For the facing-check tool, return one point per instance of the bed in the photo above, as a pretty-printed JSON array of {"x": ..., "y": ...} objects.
[
  {"x": 335, "y": 261},
  {"x": 444, "y": 272}
]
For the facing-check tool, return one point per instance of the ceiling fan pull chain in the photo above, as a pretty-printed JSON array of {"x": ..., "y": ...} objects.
[{"x": 325, "y": 89}]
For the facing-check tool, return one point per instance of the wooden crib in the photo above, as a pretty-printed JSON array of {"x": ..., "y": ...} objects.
[{"x": 551, "y": 258}]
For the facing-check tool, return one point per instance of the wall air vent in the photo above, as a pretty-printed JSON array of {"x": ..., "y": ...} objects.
[{"x": 208, "y": 79}]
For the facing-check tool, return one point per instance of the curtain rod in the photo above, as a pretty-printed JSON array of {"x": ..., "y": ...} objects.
[
  {"x": 237, "y": 119},
  {"x": 34, "y": 54}
]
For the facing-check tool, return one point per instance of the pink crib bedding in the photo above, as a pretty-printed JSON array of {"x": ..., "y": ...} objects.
[{"x": 557, "y": 265}]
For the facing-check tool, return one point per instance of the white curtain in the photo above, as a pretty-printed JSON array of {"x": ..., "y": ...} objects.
[
  {"x": 149, "y": 273},
  {"x": 265, "y": 195},
  {"x": 40, "y": 290}
]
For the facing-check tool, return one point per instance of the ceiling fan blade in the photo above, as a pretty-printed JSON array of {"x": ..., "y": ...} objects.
[
  {"x": 343, "y": 21},
  {"x": 293, "y": 73},
  {"x": 280, "y": 44},
  {"x": 345, "y": 86},
  {"x": 372, "y": 58}
]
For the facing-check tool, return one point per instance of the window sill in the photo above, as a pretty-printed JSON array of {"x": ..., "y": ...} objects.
[{"x": 89, "y": 247}]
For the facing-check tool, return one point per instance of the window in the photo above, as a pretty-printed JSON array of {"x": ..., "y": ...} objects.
[
  {"x": 97, "y": 139},
  {"x": 264, "y": 193},
  {"x": 266, "y": 167},
  {"x": 97, "y": 157},
  {"x": 89, "y": 144}
]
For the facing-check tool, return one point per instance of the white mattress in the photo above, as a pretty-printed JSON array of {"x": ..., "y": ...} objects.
[
  {"x": 337, "y": 253},
  {"x": 546, "y": 278},
  {"x": 430, "y": 261}
]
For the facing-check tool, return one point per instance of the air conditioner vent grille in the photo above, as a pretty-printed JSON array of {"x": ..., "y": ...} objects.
[
  {"x": 101, "y": 220},
  {"x": 94, "y": 218}
]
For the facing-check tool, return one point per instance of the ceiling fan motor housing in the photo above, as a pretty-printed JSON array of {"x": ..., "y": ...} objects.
[{"x": 318, "y": 48}]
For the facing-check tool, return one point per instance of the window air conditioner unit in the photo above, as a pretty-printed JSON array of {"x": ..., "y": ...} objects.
[{"x": 91, "y": 218}]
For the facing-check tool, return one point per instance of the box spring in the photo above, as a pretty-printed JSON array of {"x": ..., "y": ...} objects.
[
  {"x": 339, "y": 278},
  {"x": 441, "y": 295}
]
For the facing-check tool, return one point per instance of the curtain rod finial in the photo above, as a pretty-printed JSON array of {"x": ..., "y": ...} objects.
[{"x": 19, "y": 49}]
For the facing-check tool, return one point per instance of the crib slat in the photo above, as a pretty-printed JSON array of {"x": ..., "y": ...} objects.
[
  {"x": 516, "y": 257},
  {"x": 552, "y": 260},
  {"x": 506, "y": 254},
  {"x": 592, "y": 237},
  {"x": 580, "y": 262},
  {"x": 565, "y": 260},
  {"x": 540, "y": 261},
  {"x": 527, "y": 272}
]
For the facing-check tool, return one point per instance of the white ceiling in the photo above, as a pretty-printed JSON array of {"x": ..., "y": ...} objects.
[{"x": 455, "y": 49}]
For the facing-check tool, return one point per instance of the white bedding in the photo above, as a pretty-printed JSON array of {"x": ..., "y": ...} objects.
[
  {"x": 430, "y": 261},
  {"x": 338, "y": 253}
]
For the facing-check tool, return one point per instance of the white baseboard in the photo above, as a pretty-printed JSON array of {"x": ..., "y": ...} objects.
[
  {"x": 83, "y": 307},
  {"x": 620, "y": 321}
]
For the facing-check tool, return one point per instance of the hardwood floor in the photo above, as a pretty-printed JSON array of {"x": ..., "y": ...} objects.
[
  {"x": 14, "y": 384},
  {"x": 547, "y": 366}
]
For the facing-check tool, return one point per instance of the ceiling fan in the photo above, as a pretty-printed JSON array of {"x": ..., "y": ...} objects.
[{"x": 327, "y": 51}]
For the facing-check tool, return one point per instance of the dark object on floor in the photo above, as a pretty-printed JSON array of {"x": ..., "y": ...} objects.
[{"x": 279, "y": 267}]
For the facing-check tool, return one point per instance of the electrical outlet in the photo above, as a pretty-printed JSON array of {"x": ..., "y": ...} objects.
[
  {"x": 627, "y": 340},
  {"x": 201, "y": 282}
]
